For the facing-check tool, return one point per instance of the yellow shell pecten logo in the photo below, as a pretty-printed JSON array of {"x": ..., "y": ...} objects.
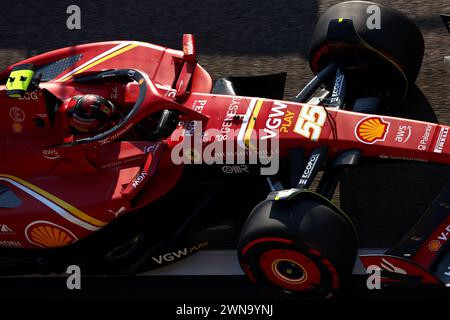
[
  {"x": 46, "y": 234},
  {"x": 434, "y": 245},
  {"x": 372, "y": 129}
]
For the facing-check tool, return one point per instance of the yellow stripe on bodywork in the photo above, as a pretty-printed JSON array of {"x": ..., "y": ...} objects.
[
  {"x": 67, "y": 206},
  {"x": 251, "y": 124},
  {"x": 96, "y": 62}
]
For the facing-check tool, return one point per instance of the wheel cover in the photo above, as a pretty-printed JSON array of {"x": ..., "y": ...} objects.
[{"x": 290, "y": 269}]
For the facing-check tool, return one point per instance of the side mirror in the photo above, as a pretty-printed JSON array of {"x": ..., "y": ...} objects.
[{"x": 447, "y": 61}]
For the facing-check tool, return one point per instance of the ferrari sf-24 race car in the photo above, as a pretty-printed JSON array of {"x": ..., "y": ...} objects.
[{"x": 120, "y": 197}]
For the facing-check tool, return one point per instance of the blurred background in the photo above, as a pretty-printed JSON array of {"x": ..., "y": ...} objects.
[{"x": 254, "y": 37}]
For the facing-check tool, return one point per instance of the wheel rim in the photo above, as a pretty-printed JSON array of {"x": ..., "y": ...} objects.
[{"x": 290, "y": 269}]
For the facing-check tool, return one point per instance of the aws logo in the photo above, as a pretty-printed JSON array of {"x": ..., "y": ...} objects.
[{"x": 372, "y": 129}]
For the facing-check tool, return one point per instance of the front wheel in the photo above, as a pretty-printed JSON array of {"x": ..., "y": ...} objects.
[{"x": 299, "y": 248}]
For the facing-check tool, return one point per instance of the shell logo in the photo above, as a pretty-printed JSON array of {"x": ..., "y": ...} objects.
[
  {"x": 192, "y": 156},
  {"x": 46, "y": 234},
  {"x": 372, "y": 129},
  {"x": 17, "y": 127},
  {"x": 434, "y": 245}
]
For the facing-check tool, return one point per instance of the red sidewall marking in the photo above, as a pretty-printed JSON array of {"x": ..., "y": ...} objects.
[{"x": 261, "y": 240}]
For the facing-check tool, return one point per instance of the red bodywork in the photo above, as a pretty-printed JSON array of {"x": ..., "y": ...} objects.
[{"x": 70, "y": 191}]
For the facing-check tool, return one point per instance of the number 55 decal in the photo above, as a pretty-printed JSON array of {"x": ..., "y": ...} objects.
[{"x": 310, "y": 122}]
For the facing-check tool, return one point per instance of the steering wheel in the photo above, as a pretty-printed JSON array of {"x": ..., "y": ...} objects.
[{"x": 128, "y": 121}]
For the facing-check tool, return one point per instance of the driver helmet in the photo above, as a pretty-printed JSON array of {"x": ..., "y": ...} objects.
[{"x": 90, "y": 113}]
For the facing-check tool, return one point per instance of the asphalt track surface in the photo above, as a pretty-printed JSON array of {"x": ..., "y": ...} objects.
[{"x": 256, "y": 37}]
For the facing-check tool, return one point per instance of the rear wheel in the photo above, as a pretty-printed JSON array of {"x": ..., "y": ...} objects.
[{"x": 301, "y": 248}]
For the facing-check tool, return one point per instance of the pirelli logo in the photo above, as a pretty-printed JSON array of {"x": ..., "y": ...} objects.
[{"x": 440, "y": 142}]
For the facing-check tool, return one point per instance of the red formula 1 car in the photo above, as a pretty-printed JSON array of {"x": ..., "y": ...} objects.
[{"x": 167, "y": 160}]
